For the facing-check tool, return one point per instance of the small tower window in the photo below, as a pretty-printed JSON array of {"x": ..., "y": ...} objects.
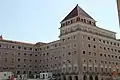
[
  {"x": 78, "y": 19},
  {"x": 89, "y": 22},
  {"x": 84, "y": 20}
]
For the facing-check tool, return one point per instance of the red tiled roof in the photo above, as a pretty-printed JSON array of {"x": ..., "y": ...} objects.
[
  {"x": 77, "y": 11},
  {"x": 18, "y": 42}
]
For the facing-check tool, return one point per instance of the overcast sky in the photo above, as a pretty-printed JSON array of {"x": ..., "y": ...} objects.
[{"x": 39, "y": 20}]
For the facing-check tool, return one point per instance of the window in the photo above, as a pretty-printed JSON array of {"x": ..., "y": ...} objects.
[
  {"x": 24, "y": 65},
  {"x": 5, "y": 59},
  {"x": 78, "y": 19},
  {"x": 94, "y": 46},
  {"x": 101, "y": 69},
  {"x": 94, "y": 54},
  {"x": 35, "y": 66},
  {"x": 101, "y": 61},
  {"x": 74, "y": 37},
  {"x": 35, "y": 49},
  {"x": 68, "y": 38},
  {"x": 24, "y": 53},
  {"x": 30, "y": 48},
  {"x": 24, "y": 48},
  {"x": 114, "y": 43},
  {"x": 18, "y": 53},
  {"x": 90, "y": 60},
  {"x": 90, "y": 68},
  {"x": 112, "y": 56},
  {"x": 88, "y": 45},
  {"x": 117, "y": 44},
  {"x": 18, "y": 60},
  {"x": 83, "y": 52},
  {"x": 13, "y": 47},
  {"x": 84, "y": 68},
  {"x": 5, "y": 53},
  {"x": 93, "y": 39},
  {"x": 18, "y": 65},
  {"x": 74, "y": 45},
  {"x": 95, "y": 61},
  {"x": 47, "y": 53},
  {"x": 100, "y": 54},
  {"x": 104, "y": 48},
  {"x": 30, "y": 60},
  {"x": 88, "y": 38},
  {"x": 74, "y": 52},
  {"x": 30, "y": 54},
  {"x": 105, "y": 55},
  {"x": 103, "y": 41},
  {"x": 35, "y": 60},
  {"x": 24, "y": 60},
  {"x": 96, "y": 69},
  {"x": 89, "y": 22},
  {"x": 69, "y": 53},
  {"x": 19, "y": 47},
  {"x": 47, "y": 47},
  {"x": 89, "y": 53},
  {"x": 63, "y": 40},
  {"x": 24, "y": 72}
]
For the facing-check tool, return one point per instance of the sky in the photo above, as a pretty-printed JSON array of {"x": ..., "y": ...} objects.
[{"x": 39, "y": 20}]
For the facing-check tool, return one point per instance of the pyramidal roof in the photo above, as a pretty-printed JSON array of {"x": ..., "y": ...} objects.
[{"x": 77, "y": 11}]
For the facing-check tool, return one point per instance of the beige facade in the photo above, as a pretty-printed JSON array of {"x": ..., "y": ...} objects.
[{"x": 84, "y": 51}]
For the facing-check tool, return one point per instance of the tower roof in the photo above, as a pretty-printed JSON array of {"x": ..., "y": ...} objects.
[{"x": 77, "y": 11}]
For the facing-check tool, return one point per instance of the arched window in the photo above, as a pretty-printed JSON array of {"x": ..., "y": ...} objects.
[
  {"x": 84, "y": 77},
  {"x": 90, "y": 78},
  {"x": 96, "y": 77},
  {"x": 76, "y": 77},
  {"x": 70, "y": 77},
  {"x": 64, "y": 78}
]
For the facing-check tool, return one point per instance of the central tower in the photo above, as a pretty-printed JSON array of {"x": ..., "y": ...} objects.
[{"x": 70, "y": 39}]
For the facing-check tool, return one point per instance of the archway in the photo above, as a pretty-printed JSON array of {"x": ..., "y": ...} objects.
[
  {"x": 96, "y": 77},
  {"x": 76, "y": 77},
  {"x": 70, "y": 78},
  {"x": 64, "y": 78},
  {"x": 84, "y": 77},
  {"x": 18, "y": 72},
  {"x": 90, "y": 78}
]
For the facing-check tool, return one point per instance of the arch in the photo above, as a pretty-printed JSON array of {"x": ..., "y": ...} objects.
[
  {"x": 90, "y": 78},
  {"x": 84, "y": 77},
  {"x": 70, "y": 78},
  {"x": 64, "y": 78},
  {"x": 96, "y": 77},
  {"x": 76, "y": 77},
  {"x": 30, "y": 72}
]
